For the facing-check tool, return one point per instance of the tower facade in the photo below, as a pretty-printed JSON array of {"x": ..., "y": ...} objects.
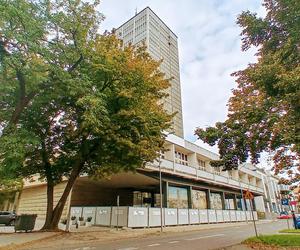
[{"x": 147, "y": 28}]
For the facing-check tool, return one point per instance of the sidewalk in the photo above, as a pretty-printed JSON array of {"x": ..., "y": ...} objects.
[{"x": 12, "y": 240}]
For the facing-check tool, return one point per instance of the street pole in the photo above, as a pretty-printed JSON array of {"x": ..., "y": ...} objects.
[
  {"x": 245, "y": 205},
  {"x": 118, "y": 204},
  {"x": 160, "y": 195},
  {"x": 251, "y": 206}
]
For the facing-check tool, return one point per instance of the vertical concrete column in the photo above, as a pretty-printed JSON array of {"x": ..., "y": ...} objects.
[
  {"x": 165, "y": 194},
  {"x": 235, "y": 202},
  {"x": 190, "y": 205},
  {"x": 208, "y": 199},
  {"x": 223, "y": 200},
  {"x": 192, "y": 160}
]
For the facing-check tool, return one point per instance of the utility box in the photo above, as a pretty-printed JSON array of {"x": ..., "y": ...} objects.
[{"x": 25, "y": 222}]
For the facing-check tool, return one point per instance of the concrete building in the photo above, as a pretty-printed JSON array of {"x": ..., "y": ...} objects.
[
  {"x": 147, "y": 28},
  {"x": 188, "y": 181},
  {"x": 191, "y": 188},
  {"x": 274, "y": 192}
]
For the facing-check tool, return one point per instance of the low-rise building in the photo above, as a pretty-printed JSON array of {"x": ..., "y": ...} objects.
[{"x": 188, "y": 182}]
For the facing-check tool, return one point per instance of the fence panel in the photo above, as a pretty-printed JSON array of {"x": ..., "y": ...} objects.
[
  {"x": 194, "y": 216},
  {"x": 220, "y": 217},
  {"x": 203, "y": 216},
  {"x": 76, "y": 211},
  {"x": 212, "y": 217},
  {"x": 183, "y": 216},
  {"x": 170, "y": 216},
  {"x": 226, "y": 215},
  {"x": 138, "y": 217},
  {"x": 232, "y": 215},
  {"x": 119, "y": 216},
  {"x": 103, "y": 216},
  {"x": 154, "y": 217}
]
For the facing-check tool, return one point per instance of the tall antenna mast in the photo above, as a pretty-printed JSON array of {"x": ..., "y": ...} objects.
[{"x": 136, "y": 11}]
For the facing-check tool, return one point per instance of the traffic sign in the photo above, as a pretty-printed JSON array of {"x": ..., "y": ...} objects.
[{"x": 248, "y": 195}]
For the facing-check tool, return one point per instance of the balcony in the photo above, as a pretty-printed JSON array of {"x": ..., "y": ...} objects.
[
  {"x": 284, "y": 188},
  {"x": 201, "y": 173}
]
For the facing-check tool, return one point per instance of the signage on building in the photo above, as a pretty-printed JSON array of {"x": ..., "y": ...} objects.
[
  {"x": 285, "y": 202},
  {"x": 248, "y": 195},
  {"x": 293, "y": 203}
]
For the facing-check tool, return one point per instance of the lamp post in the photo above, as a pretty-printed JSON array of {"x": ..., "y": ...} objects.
[
  {"x": 250, "y": 201},
  {"x": 160, "y": 194}
]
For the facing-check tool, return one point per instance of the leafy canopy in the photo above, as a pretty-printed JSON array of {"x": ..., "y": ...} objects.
[
  {"x": 72, "y": 99},
  {"x": 264, "y": 111}
]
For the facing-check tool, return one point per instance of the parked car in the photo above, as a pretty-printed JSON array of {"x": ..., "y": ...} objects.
[
  {"x": 7, "y": 218},
  {"x": 284, "y": 215}
]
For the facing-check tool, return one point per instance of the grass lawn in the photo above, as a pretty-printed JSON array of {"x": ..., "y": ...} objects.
[
  {"x": 290, "y": 231},
  {"x": 276, "y": 239}
]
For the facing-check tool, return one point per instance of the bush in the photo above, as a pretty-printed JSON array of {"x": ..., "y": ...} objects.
[{"x": 89, "y": 219}]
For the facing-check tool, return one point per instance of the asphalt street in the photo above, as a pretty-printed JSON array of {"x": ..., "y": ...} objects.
[{"x": 216, "y": 238}]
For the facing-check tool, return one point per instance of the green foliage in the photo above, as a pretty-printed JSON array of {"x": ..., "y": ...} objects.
[
  {"x": 275, "y": 240},
  {"x": 290, "y": 231},
  {"x": 73, "y": 101},
  {"x": 264, "y": 111}
]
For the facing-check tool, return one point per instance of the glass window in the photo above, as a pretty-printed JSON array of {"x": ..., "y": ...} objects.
[
  {"x": 199, "y": 200},
  {"x": 177, "y": 197},
  {"x": 215, "y": 201}
]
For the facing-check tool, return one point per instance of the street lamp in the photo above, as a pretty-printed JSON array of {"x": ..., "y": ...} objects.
[
  {"x": 160, "y": 194},
  {"x": 251, "y": 205}
]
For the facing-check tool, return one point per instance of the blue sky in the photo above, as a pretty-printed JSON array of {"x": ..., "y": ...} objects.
[{"x": 209, "y": 50}]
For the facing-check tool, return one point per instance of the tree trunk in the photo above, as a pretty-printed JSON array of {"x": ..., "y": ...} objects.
[
  {"x": 57, "y": 212},
  {"x": 50, "y": 185},
  {"x": 49, "y": 213}
]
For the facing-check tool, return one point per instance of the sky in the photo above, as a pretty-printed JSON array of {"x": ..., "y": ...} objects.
[{"x": 209, "y": 50}]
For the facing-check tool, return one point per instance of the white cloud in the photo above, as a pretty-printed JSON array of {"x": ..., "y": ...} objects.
[{"x": 209, "y": 50}]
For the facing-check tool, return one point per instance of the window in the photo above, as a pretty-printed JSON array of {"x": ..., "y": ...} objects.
[
  {"x": 177, "y": 197},
  {"x": 199, "y": 199},
  {"x": 181, "y": 158},
  {"x": 202, "y": 163},
  {"x": 215, "y": 201}
]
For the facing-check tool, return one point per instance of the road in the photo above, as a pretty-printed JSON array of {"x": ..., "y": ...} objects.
[{"x": 205, "y": 239}]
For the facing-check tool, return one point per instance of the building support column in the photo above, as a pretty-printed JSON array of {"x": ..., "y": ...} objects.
[
  {"x": 235, "y": 202},
  {"x": 165, "y": 187},
  {"x": 208, "y": 199},
  {"x": 223, "y": 200},
  {"x": 190, "y": 205}
]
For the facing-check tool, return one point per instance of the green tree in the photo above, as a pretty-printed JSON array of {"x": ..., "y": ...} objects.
[
  {"x": 264, "y": 111},
  {"x": 95, "y": 106}
]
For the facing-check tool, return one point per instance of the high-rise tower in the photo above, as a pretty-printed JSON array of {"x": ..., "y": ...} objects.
[{"x": 146, "y": 27}]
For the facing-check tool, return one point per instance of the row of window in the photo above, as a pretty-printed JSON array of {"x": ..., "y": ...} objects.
[{"x": 181, "y": 158}]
